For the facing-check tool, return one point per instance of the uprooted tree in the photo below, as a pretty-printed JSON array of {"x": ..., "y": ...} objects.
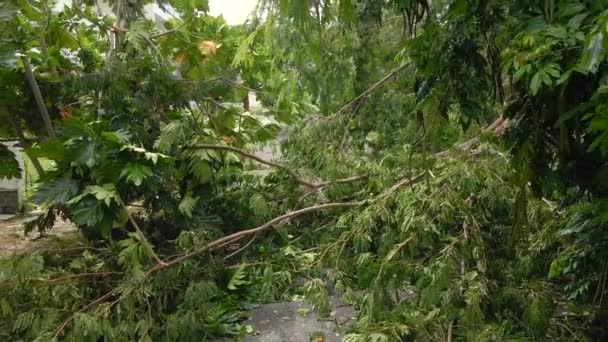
[{"x": 454, "y": 150}]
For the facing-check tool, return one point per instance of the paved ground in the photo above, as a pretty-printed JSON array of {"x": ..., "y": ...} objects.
[
  {"x": 13, "y": 241},
  {"x": 295, "y": 322}
]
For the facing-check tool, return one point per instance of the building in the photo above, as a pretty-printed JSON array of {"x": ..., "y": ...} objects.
[{"x": 12, "y": 190}]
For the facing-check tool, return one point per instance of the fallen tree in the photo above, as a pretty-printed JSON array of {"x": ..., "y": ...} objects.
[{"x": 497, "y": 127}]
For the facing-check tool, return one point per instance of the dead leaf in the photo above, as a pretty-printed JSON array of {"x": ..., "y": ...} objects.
[
  {"x": 227, "y": 140},
  {"x": 207, "y": 48},
  {"x": 65, "y": 112},
  {"x": 180, "y": 58}
]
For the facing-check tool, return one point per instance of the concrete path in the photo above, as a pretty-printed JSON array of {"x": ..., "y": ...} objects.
[
  {"x": 295, "y": 322},
  {"x": 13, "y": 241}
]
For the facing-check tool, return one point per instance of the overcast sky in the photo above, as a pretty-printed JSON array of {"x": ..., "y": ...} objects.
[{"x": 234, "y": 11}]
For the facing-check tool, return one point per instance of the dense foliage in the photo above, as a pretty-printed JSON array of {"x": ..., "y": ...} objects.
[{"x": 444, "y": 167}]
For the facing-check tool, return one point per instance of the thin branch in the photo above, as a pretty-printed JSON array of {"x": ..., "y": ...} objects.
[
  {"x": 497, "y": 128},
  {"x": 207, "y": 247},
  {"x": 373, "y": 88},
  {"x": 342, "y": 180},
  {"x": 73, "y": 103},
  {"x": 174, "y": 260},
  {"x": 569, "y": 330},
  {"x": 291, "y": 172},
  {"x": 241, "y": 249},
  {"x": 265, "y": 226},
  {"x": 218, "y": 104},
  {"x": 171, "y": 30},
  {"x": 94, "y": 303},
  {"x": 240, "y": 86},
  {"x": 57, "y": 279},
  {"x": 404, "y": 181},
  {"x": 143, "y": 237}
]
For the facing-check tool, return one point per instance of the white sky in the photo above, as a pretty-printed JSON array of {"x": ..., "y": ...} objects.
[{"x": 234, "y": 11}]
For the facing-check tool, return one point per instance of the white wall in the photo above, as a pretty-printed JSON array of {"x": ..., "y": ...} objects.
[{"x": 15, "y": 183}]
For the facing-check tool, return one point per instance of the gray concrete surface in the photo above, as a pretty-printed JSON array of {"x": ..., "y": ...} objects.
[{"x": 295, "y": 322}]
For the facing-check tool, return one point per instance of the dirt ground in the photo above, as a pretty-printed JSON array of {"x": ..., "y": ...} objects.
[{"x": 13, "y": 241}]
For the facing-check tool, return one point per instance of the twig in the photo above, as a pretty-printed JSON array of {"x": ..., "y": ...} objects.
[
  {"x": 569, "y": 330},
  {"x": 174, "y": 260},
  {"x": 71, "y": 276},
  {"x": 68, "y": 250},
  {"x": 240, "y": 86},
  {"x": 153, "y": 36},
  {"x": 209, "y": 246},
  {"x": 73, "y": 103},
  {"x": 256, "y": 230},
  {"x": 241, "y": 249},
  {"x": 144, "y": 239},
  {"x": 403, "y": 181},
  {"x": 372, "y": 88},
  {"x": 218, "y": 104},
  {"x": 342, "y": 181},
  {"x": 70, "y": 318},
  {"x": 497, "y": 127},
  {"x": 291, "y": 172}
]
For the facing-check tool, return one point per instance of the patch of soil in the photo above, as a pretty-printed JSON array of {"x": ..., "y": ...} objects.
[{"x": 14, "y": 241}]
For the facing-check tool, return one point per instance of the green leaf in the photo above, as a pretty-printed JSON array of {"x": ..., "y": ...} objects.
[
  {"x": 187, "y": 204},
  {"x": 56, "y": 191},
  {"x": 347, "y": 10},
  {"x": 238, "y": 278},
  {"x": 521, "y": 71},
  {"x": 546, "y": 79},
  {"x": 535, "y": 83},
  {"x": 201, "y": 169},
  {"x": 575, "y": 22},
  {"x": 259, "y": 206},
  {"x": 555, "y": 270},
  {"x": 88, "y": 156},
  {"x": 593, "y": 53},
  {"x": 120, "y": 136},
  {"x": 9, "y": 166},
  {"x": 553, "y": 70},
  {"x": 136, "y": 173},
  {"x": 105, "y": 193},
  {"x": 152, "y": 156},
  {"x": 51, "y": 149},
  {"x": 569, "y": 115},
  {"x": 564, "y": 77},
  {"x": 29, "y": 9},
  {"x": 87, "y": 213}
]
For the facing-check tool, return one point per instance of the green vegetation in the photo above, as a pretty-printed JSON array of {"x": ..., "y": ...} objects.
[{"x": 453, "y": 149}]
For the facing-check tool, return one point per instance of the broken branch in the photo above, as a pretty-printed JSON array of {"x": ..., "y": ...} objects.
[{"x": 291, "y": 172}]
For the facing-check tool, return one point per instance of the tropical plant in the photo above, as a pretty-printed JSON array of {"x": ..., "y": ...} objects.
[{"x": 443, "y": 168}]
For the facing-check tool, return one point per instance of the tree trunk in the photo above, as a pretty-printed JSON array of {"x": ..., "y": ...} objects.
[{"x": 29, "y": 74}]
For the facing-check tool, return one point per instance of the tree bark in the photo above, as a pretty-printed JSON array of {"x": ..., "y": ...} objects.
[{"x": 29, "y": 74}]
